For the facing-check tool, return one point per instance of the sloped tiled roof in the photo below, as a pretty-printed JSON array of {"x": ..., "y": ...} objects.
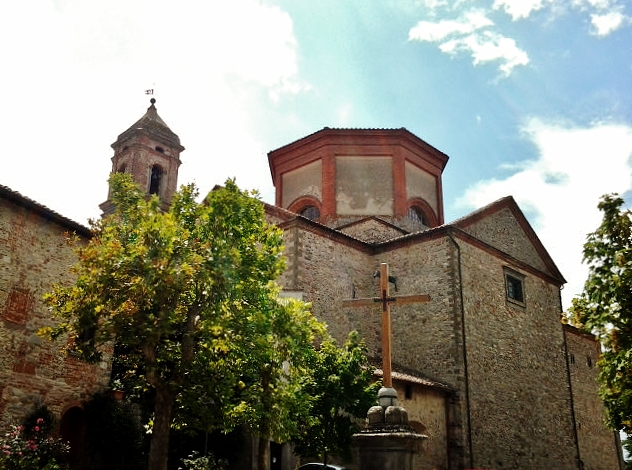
[
  {"x": 416, "y": 379},
  {"x": 326, "y": 130},
  {"x": 153, "y": 124},
  {"x": 458, "y": 228},
  {"x": 43, "y": 211}
]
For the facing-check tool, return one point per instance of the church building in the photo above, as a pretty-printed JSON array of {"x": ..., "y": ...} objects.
[{"x": 485, "y": 368}]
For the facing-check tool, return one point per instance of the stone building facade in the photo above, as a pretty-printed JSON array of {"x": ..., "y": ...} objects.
[
  {"x": 485, "y": 368},
  {"x": 33, "y": 372}
]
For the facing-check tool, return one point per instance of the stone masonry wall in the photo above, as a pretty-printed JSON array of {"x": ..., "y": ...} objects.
[
  {"x": 423, "y": 335},
  {"x": 598, "y": 446},
  {"x": 371, "y": 231},
  {"x": 327, "y": 273},
  {"x": 517, "y": 393},
  {"x": 518, "y": 388},
  {"x": 501, "y": 231},
  {"x": 427, "y": 415},
  {"x": 427, "y": 337},
  {"x": 33, "y": 256}
]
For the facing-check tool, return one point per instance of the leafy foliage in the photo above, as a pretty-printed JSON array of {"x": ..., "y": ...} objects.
[
  {"x": 188, "y": 299},
  {"x": 605, "y": 307},
  {"x": 114, "y": 435},
  {"x": 175, "y": 291},
  {"x": 627, "y": 446},
  {"x": 274, "y": 367},
  {"x": 342, "y": 391},
  {"x": 208, "y": 462}
]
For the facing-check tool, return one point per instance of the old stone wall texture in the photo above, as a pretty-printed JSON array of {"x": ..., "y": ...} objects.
[
  {"x": 520, "y": 406},
  {"x": 513, "y": 383},
  {"x": 33, "y": 372},
  {"x": 371, "y": 231},
  {"x": 328, "y": 272},
  {"x": 427, "y": 415},
  {"x": 598, "y": 446},
  {"x": 502, "y": 231}
]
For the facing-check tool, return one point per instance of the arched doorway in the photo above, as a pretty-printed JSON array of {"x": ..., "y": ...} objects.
[{"x": 72, "y": 430}]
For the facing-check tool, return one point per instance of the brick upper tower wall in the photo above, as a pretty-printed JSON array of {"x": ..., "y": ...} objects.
[{"x": 348, "y": 174}]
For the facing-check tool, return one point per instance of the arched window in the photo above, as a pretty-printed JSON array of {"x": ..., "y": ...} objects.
[
  {"x": 417, "y": 215},
  {"x": 155, "y": 180},
  {"x": 310, "y": 212}
]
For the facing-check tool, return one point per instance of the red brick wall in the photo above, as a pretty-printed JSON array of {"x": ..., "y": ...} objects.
[{"x": 33, "y": 256}]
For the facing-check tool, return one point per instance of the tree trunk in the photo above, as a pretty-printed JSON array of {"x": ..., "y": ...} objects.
[
  {"x": 263, "y": 457},
  {"x": 159, "y": 446}
]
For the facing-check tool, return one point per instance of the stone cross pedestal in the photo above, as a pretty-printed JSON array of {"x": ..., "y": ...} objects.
[{"x": 388, "y": 442}]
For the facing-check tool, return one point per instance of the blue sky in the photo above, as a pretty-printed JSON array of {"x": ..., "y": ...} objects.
[{"x": 528, "y": 97}]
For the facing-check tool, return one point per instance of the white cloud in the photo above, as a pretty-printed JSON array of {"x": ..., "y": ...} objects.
[
  {"x": 470, "y": 34},
  {"x": 606, "y": 16},
  {"x": 86, "y": 64},
  {"x": 519, "y": 8},
  {"x": 489, "y": 47},
  {"x": 434, "y": 4},
  {"x": 607, "y": 23},
  {"x": 434, "y": 32},
  {"x": 589, "y": 4},
  {"x": 560, "y": 189}
]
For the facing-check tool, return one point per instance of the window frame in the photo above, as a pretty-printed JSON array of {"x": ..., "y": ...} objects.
[
  {"x": 310, "y": 210},
  {"x": 417, "y": 215},
  {"x": 514, "y": 279}
]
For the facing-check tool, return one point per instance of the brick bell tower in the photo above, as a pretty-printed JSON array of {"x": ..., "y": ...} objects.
[{"x": 150, "y": 152}]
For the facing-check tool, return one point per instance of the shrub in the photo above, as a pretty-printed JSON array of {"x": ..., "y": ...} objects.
[
  {"x": 208, "y": 462},
  {"x": 24, "y": 448}
]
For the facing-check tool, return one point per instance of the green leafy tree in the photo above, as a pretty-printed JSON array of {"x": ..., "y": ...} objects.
[
  {"x": 172, "y": 289},
  {"x": 605, "y": 307},
  {"x": 627, "y": 446},
  {"x": 342, "y": 390},
  {"x": 275, "y": 368}
]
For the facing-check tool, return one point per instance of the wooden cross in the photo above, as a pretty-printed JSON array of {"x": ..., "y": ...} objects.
[{"x": 385, "y": 299}]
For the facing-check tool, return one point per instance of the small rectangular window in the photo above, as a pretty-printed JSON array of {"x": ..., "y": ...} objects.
[{"x": 515, "y": 287}]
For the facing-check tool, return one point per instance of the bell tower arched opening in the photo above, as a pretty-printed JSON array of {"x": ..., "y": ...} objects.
[{"x": 155, "y": 179}]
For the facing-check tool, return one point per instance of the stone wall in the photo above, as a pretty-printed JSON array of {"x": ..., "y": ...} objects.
[
  {"x": 519, "y": 404},
  {"x": 502, "y": 231},
  {"x": 427, "y": 415},
  {"x": 598, "y": 446},
  {"x": 33, "y": 372},
  {"x": 512, "y": 383},
  {"x": 327, "y": 272}
]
